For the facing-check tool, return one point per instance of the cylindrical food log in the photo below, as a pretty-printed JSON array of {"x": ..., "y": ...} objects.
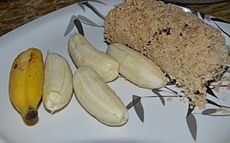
[{"x": 190, "y": 51}]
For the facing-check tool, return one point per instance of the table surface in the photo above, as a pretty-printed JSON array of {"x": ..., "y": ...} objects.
[{"x": 14, "y": 13}]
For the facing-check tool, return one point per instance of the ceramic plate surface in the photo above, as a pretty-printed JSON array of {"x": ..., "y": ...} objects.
[{"x": 151, "y": 120}]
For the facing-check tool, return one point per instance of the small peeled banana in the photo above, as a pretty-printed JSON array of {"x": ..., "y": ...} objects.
[
  {"x": 26, "y": 84},
  {"x": 83, "y": 53},
  {"x": 58, "y": 82},
  {"x": 98, "y": 98},
  {"x": 137, "y": 68}
]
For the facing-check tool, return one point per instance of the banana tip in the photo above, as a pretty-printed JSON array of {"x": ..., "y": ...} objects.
[
  {"x": 32, "y": 114},
  {"x": 31, "y": 117}
]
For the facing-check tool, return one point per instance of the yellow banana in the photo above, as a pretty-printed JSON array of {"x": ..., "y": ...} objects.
[
  {"x": 98, "y": 98},
  {"x": 26, "y": 84},
  {"x": 58, "y": 87},
  {"x": 83, "y": 53},
  {"x": 137, "y": 68}
]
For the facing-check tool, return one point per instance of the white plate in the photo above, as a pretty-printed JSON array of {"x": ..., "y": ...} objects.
[{"x": 162, "y": 124}]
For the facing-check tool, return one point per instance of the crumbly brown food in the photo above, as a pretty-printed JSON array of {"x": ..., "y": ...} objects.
[{"x": 190, "y": 51}]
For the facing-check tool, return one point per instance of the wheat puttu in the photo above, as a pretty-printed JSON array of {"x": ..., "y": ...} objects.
[{"x": 191, "y": 52}]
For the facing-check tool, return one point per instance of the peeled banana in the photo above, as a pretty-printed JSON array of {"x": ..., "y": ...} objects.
[
  {"x": 137, "y": 68},
  {"x": 83, "y": 53},
  {"x": 58, "y": 87},
  {"x": 98, "y": 98},
  {"x": 26, "y": 84}
]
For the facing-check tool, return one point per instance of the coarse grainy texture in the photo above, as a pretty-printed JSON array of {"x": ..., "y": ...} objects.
[{"x": 190, "y": 51}]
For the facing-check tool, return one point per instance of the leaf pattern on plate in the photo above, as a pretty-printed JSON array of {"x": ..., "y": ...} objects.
[
  {"x": 70, "y": 25},
  {"x": 190, "y": 109},
  {"x": 209, "y": 111},
  {"x": 210, "y": 92},
  {"x": 87, "y": 21},
  {"x": 202, "y": 15},
  {"x": 223, "y": 115},
  {"x": 171, "y": 90},
  {"x": 74, "y": 21},
  {"x": 98, "y": 1},
  {"x": 213, "y": 103},
  {"x": 219, "y": 20},
  {"x": 157, "y": 92},
  {"x": 136, "y": 100},
  {"x": 192, "y": 125},
  {"x": 133, "y": 102},
  {"x": 82, "y": 7},
  {"x": 221, "y": 29},
  {"x": 79, "y": 26},
  {"x": 87, "y": 4},
  {"x": 138, "y": 107}
]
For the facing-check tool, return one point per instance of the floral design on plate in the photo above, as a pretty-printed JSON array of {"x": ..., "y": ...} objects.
[{"x": 170, "y": 91}]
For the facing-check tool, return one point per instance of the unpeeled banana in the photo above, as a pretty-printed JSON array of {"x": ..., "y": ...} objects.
[
  {"x": 137, "y": 68},
  {"x": 83, "y": 53},
  {"x": 98, "y": 98},
  {"x": 58, "y": 85},
  {"x": 26, "y": 84}
]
